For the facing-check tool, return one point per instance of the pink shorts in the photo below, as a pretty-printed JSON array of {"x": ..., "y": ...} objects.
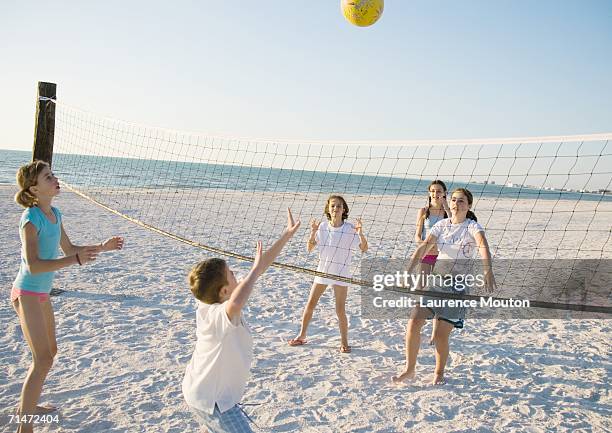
[
  {"x": 16, "y": 293},
  {"x": 430, "y": 259}
]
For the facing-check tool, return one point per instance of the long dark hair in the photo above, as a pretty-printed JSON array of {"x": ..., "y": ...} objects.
[
  {"x": 470, "y": 198},
  {"x": 435, "y": 182}
]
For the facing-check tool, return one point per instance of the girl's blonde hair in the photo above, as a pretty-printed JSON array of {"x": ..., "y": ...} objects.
[{"x": 27, "y": 176}]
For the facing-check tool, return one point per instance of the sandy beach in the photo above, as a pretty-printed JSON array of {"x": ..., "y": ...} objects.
[{"x": 125, "y": 331}]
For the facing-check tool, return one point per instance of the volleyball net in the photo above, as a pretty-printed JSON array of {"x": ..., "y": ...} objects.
[{"x": 544, "y": 200}]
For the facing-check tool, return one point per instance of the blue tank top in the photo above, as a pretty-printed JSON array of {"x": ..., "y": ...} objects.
[
  {"x": 428, "y": 224},
  {"x": 49, "y": 236}
]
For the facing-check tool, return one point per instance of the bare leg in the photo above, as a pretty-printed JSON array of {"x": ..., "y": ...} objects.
[
  {"x": 426, "y": 269},
  {"x": 413, "y": 343},
  {"x": 38, "y": 327},
  {"x": 434, "y": 329},
  {"x": 313, "y": 299},
  {"x": 340, "y": 293},
  {"x": 442, "y": 334},
  {"x": 50, "y": 320}
]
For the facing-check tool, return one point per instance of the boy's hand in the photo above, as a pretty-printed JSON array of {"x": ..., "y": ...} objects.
[
  {"x": 314, "y": 225},
  {"x": 292, "y": 226},
  {"x": 114, "y": 243},
  {"x": 258, "y": 253}
]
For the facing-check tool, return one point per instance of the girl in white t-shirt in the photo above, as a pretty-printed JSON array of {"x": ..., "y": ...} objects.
[
  {"x": 336, "y": 239},
  {"x": 458, "y": 239},
  {"x": 216, "y": 376}
]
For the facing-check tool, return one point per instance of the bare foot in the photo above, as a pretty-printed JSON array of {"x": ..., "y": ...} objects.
[
  {"x": 345, "y": 349},
  {"x": 438, "y": 379},
  {"x": 298, "y": 341},
  {"x": 42, "y": 410},
  {"x": 406, "y": 376},
  {"x": 28, "y": 427}
]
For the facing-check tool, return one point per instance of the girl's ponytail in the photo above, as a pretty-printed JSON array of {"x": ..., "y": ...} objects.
[
  {"x": 471, "y": 215},
  {"x": 25, "y": 198},
  {"x": 27, "y": 176}
]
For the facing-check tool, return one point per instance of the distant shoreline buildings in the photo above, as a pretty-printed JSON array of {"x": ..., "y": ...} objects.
[{"x": 510, "y": 184}]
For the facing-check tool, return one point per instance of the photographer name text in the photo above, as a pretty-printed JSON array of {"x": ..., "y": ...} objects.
[{"x": 427, "y": 302}]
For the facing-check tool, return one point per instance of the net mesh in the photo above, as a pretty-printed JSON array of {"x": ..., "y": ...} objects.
[{"x": 544, "y": 198}]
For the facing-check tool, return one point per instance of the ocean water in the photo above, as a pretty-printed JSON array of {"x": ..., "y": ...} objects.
[{"x": 111, "y": 172}]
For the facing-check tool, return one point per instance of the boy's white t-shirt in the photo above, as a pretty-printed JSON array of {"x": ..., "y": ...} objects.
[
  {"x": 456, "y": 241},
  {"x": 219, "y": 367},
  {"x": 335, "y": 245}
]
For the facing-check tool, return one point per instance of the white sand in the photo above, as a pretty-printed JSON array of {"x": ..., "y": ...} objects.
[{"x": 125, "y": 329}]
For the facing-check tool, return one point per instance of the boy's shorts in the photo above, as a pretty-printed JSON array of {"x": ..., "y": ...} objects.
[{"x": 233, "y": 420}]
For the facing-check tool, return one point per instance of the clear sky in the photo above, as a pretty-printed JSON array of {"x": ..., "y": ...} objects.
[{"x": 277, "y": 68}]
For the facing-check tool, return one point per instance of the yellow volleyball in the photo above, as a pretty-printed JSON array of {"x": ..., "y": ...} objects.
[{"x": 362, "y": 13}]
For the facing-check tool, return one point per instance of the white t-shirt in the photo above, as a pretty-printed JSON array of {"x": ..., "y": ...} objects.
[
  {"x": 221, "y": 361},
  {"x": 335, "y": 245},
  {"x": 456, "y": 241}
]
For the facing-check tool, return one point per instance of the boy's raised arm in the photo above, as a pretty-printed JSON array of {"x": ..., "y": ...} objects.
[{"x": 262, "y": 261}]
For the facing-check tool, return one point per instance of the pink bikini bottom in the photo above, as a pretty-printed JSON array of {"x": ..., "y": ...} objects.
[
  {"x": 429, "y": 259},
  {"x": 16, "y": 293}
]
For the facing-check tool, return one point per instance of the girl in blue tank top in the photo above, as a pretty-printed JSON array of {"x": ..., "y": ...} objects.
[
  {"x": 42, "y": 234},
  {"x": 436, "y": 210}
]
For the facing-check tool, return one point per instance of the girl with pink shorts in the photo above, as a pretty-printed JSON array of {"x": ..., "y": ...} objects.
[
  {"x": 42, "y": 233},
  {"x": 436, "y": 210}
]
